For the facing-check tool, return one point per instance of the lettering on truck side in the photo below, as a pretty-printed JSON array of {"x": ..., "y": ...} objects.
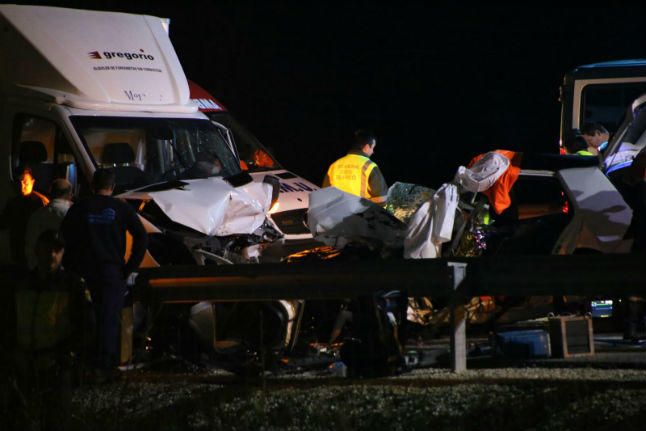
[
  {"x": 131, "y": 95},
  {"x": 108, "y": 55},
  {"x": 295, "y": 187}
]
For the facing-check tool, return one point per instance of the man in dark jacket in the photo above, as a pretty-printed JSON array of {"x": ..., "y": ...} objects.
[{"x": 95, "y": 232}]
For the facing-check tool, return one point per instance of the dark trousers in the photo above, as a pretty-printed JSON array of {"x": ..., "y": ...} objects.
[{"x": 108, "y": 288}]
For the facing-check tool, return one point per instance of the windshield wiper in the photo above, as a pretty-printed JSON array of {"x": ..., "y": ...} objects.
[{"x": 158, "y": 187}]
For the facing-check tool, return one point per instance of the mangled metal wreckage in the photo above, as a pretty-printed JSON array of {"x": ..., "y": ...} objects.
[
  {"x": 207, "y": 219},
  {"x": 223, "y": 221},
  {"x": 232, "y": 229},
  {"x": 503, "y": 203},
  {"x": 211, "y": 221},
  {"x": 556, "y": 209}
]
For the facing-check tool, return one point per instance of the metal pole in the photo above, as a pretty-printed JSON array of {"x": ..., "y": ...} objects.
[{"x": 458, "y": 321}]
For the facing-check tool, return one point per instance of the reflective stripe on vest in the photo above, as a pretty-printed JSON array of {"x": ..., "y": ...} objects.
[
  {"x": 351, "y": 173},
  {"x": 584, "y": 153}
]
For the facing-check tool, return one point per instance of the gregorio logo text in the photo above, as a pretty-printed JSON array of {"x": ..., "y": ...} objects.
[{"x": 108, "y": 55}]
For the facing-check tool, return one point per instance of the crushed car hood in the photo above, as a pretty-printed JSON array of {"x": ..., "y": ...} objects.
[{"x": 212, "y": 206}]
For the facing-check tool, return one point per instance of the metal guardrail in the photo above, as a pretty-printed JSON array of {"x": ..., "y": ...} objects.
[
  {"x": 311, "y": 280},
  {"x": 456, "y": 279},
  {"x": 616, "y": 274}
]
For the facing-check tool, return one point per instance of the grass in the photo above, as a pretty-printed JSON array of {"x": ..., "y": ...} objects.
[{"x": 462, "y": 406}]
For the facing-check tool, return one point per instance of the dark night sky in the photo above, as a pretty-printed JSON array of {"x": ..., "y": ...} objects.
[{"x": 438, "y": 84}]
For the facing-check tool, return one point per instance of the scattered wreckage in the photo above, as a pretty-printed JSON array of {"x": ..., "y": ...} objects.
[{"x": 539, "y": 205}]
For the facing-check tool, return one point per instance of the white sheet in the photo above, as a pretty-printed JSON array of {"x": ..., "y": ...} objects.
[{"x": 483, "y": 174}]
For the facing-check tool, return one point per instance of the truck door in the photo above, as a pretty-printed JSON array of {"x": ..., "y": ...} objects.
[{"x": 37, "y": 142}]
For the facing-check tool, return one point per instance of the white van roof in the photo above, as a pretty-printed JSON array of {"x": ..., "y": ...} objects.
[{"x": 91, "y": 60}]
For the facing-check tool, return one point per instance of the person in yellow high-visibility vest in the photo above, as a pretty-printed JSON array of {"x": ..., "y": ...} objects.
[{"x": 356, "y": 174}]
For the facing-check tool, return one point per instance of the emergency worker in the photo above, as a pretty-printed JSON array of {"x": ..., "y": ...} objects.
[
  {"x": 579, "y": 146},
  {"x": 356, "y": 174},
  {"x": 49, "y": 217},
  {"x": 48, "y": 338},
  {"x": 17, "y": 212},
  {"x": 596, "y": 136},
  {"x": 95, "y": 232}
]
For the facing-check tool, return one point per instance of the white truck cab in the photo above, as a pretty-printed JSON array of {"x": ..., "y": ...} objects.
[{"x": 84, "y": 89}]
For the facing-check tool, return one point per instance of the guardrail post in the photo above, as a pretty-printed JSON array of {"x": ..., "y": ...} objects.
[{"x": 458, "y": 321}]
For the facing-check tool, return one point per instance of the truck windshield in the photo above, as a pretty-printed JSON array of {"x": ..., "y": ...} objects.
[
  {"x": 145, "y": 151},
  {"x": 606, "y": 103},
  {"x": 254, "y": 157}
]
